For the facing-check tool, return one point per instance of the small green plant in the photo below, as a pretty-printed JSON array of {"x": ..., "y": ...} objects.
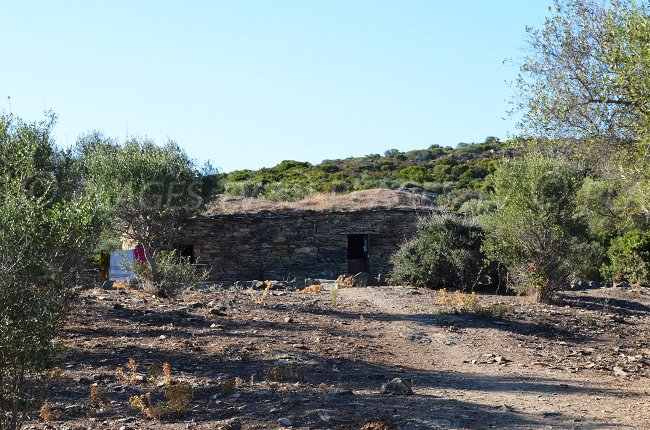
[
  {"x": 173, "y": 274},
  {"x": 334, "y": 294}
]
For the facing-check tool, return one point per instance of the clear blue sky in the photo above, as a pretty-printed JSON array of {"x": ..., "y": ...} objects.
[{"x": 250, "y": 83}]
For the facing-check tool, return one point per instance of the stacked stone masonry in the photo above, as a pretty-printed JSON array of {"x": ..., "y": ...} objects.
[{"x": 272, "y": 245}]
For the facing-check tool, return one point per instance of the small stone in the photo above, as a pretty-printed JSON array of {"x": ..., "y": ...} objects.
[
  {"x": 618, "y": 371},
  {"x": 617, "y": 318},
  {"x": 285, "y": 422},
  {"x": 288, "y": 320},
  {"x": 501, "y": 360},
  {"x": 329, "y": 418},
  {"x": 218, "y": 310},
  {"x": 397, "y": 386}
]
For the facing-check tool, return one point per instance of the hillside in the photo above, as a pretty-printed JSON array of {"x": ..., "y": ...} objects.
[{"x": 454, "y": 175}]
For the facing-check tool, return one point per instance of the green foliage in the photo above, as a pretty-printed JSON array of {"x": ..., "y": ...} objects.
[
  {"x": 476, "y": 207},
  {"x": 629, "y": 258},
  {"x": 584, "y": 84},
  {"x": 147, "y": 192},
  {"x": 534, "y": 231},
  {"x": 174, "y": 274},
  {"x": 444, "y": 254},
  {"x": 581, "y": 77},
  {"x": 441, "y": 170},
  {"x": 418, "y": 173},
  {"x": 45, "y": 228}
]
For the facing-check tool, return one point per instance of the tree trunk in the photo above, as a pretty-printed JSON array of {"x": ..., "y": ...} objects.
[{"x": 151, "y": 259}]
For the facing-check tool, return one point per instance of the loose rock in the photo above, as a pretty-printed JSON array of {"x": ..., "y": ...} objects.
[
  {"x": 285, "y": 422},
  {"x": 397, "y": 386}
]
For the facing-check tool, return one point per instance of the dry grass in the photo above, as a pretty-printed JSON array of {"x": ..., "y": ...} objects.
[
  {"x": 316, "y": 288},
  {"x": 178, "y": 396},
  {"x": 380, "y": 425},
  {"x": 261, "y": 297},
  {"x": 346, "y": 281},
  {"x": 322, "y": 202},
  {"x": 48, "y": 415},
  {"x": 95, "y": 398},
  {"x": 458, "y": 300},
  {"x": 282, "y": 373}
]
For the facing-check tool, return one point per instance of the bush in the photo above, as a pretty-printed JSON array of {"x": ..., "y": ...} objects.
[
  {"x": 44, "y": 230},
  {"x": 535, "y": 232},
  {"x": 444, "y": 254},
  {"x": 244, "y": 188},
  {"x": 629, "y": 258},
  {"x": 476, "y": 207},
  {"x": 285, "y": 193},
  {"x": 174, "y": 274}
]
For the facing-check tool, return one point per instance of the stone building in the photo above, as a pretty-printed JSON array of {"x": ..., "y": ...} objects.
[{"x": 359, "y": 234}]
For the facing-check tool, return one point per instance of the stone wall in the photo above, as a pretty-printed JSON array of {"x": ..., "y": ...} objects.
[{"x": 305, "y": 243}]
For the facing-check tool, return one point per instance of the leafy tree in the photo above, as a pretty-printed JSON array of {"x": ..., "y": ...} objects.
[
  {"x": 147, "y": 191},
  {"x": 586, "y": 82},
  {"x": 585, "y": 75},
  {"x": 45, "y": 229},
  {"x": 534, "y": 231}
]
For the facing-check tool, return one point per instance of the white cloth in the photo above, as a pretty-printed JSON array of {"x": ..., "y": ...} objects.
[{"x": 119, "y": 269}]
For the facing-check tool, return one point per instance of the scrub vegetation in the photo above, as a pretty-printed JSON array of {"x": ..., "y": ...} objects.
[{"x": 566, "y": 204}]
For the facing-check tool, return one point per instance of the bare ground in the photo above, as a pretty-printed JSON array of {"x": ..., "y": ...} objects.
[{"x": 583, "y": 363}]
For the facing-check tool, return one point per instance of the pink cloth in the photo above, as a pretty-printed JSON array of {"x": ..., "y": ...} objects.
[{"x": 138, "y": 254}]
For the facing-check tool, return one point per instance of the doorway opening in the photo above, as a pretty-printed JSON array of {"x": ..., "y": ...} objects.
[
  {"x": 186, "y": 252},
  {"x": 358, "y": 253}
]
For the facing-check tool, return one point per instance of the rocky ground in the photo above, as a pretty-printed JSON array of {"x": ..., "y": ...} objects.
[{"x": 319, "y": 360}]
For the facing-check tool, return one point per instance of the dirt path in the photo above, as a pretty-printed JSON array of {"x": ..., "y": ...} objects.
[
  {"x": 303, "y": 358},
  {"x": 457, "y": 360}
]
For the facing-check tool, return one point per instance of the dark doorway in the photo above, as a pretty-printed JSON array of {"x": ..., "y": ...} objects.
[
  {"x": 186, "y": 251},
  {"x": 357, "y": 253}
]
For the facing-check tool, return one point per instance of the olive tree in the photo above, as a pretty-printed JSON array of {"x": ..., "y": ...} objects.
[
  {"x": 45, "y": 229},
  {"x": 586, "y": 75},
  {"x": 147, "y": 192},
  {"x": 585, "y": 83},
  {"x": 534, "y": 231}
]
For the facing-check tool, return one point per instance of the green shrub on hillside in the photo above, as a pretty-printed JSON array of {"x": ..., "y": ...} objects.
[{"x": 462, "y": 169}]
